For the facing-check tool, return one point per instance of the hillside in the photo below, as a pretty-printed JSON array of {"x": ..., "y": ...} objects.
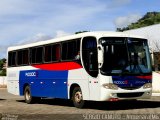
[{"x": 150, "y": 18}]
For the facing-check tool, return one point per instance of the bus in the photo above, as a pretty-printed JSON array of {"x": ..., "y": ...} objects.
[{"x": 110, "y": 66}]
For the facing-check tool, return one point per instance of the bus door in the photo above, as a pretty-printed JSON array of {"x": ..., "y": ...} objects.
[{"x": 90, "y": 62}]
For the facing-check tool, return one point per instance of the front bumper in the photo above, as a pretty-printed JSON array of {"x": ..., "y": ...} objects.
[{"x": 121, "y": 94}]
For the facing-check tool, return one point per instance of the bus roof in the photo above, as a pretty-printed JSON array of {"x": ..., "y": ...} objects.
[{"x": 71, "y": 37}]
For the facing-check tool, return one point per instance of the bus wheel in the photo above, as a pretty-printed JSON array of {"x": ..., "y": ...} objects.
[
  {"x": 28, "y": 96},
  {"x": 77, "y": 98}
]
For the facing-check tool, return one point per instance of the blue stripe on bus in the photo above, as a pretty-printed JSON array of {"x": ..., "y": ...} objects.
[{"x": 44, "y": 83}]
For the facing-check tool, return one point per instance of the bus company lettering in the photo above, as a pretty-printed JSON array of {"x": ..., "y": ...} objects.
[
  {"x": 121, "y": 82},
  {"x": 31, "y": 74}
]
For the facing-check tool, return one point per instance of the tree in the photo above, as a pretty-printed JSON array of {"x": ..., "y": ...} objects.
[{"x": 2, "y": 71}]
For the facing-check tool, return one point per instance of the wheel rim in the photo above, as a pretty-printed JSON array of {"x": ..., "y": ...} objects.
[
  {"x": 28, "y": 96},
  {"x": 78, "y": 97}
]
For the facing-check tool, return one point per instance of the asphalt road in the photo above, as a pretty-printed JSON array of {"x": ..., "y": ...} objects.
[{"x": 13, "y": 107}]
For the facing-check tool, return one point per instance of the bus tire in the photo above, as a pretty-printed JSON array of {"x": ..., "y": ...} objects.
[
  {"x": 77, "y": 98},
  {"x": 28, "y": 96}
]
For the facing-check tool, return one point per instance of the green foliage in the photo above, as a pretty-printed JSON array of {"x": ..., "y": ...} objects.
[
  {"x": 2, "y": 71},
  {"x": 150, "y": 18}
]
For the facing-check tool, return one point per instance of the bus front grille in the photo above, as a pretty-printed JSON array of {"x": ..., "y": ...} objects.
[
  {"x": 130, "y": 88},
  {"x": 129, "y": 95}
]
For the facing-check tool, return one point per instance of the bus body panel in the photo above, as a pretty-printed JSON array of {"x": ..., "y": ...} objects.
[
  {"x": 13, "y": 87},
  {"x": 57, "y": 84},
  {"x": 13, "y": 81},
  {"x": 54, "y": 85},
  {"x": 94, "y": 88},
  {"x": 48, "y": 83},
  {"x": 90, "y": 86},
  {"x": 80, "y": 78}
]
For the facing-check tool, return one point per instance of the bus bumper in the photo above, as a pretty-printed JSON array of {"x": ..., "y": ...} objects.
[{"x": 122, "y": 94}]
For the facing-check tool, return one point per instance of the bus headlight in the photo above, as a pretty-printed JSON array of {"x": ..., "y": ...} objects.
[
  {"x": 147, "y": 85},
  {"x": 110, "y": 86}
]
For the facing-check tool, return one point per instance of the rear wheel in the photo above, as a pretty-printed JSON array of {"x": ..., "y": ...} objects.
[
  {"x": 28, "y": 96},
  {"x": 77, "y": 98}
]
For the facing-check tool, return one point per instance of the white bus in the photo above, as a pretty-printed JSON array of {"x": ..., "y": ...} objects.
[{"x": 91, "y": 66}]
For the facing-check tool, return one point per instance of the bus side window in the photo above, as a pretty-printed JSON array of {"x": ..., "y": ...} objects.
[
  {"x": 89, "y": 55},
  {"x": 47, "y": 53},
  {"x": 12, "y": 59},
  {"x": 70, "y": 49},
  {"x": 56, "y": 52},
  {"x": 37, "y": 55},
  {"x": 64, "y": 51},
  {"x": 22, "y": 57},
  {"x": 25, "y": 57}
]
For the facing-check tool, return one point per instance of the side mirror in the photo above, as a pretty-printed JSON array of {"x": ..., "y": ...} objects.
[{"x": 100, "y": 56}]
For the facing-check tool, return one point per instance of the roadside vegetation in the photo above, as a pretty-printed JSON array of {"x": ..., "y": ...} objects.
[
  {"x": 2, "y": 67},
  {"x": 150, "y": 18}
]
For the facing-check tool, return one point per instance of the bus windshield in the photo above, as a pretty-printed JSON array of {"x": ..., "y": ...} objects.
[{"x": 125, "y": 56}]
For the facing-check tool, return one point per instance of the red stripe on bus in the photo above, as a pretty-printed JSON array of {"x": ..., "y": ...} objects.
[
  {"x": 145, "y": 77},
  {"x": 58, "y": 66}
]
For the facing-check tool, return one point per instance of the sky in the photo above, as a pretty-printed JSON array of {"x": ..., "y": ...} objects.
[{"x": 27, "y": 21}]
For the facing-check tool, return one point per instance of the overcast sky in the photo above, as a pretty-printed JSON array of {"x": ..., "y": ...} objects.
[{"x": 25, "y": 21}]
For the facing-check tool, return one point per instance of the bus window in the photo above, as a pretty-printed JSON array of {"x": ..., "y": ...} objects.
[
  {"x": 22, "y": 57},
  {"x": 56, "y": 52},
  {"x": 19, "y": 57},
  {"x": 89, "y": 55},
  {"x": 12, "y": 59},
  {"x": 33, "y": 55},
  {"x": 37, "y": 55},
  {"x": 64, "y": 51},
  {"x": 47, "y": 53},
  {"x": 52, "y": 53},
  {"x": 25, "y": 57},
  {"x": 70, "y": 49}
]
